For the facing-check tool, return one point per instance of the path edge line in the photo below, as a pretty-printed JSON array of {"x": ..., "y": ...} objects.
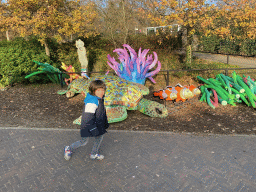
[{"x": 124, "y": 131}]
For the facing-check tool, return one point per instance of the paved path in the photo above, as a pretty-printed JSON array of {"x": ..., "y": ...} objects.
[
  {"x": 233, "y": 60},
  {"x": 32, "y": 160}
]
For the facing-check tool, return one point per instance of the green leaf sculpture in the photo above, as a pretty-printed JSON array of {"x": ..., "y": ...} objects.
[{"x": 52, "y": 73}]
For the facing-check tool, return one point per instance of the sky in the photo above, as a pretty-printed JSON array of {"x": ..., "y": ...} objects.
[{"x": 211, "y": 2}]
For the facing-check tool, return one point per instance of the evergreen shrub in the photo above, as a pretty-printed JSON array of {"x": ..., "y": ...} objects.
[
  {"x": 248, "y": 47},
  {"x": 209, "y": 44},
  {"x": 16, "y": 61},
  {"x": 213, "y": 44}
]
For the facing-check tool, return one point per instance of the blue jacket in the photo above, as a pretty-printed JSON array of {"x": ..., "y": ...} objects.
[{"x": 94, "y": 120}]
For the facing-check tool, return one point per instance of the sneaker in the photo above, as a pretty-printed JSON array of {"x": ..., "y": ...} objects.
[
  {"x": 67, "y": 153},
  {"x": 97, "y": 156}
]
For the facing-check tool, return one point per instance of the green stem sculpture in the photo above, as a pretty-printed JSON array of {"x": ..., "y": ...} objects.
[
  {"x": 253, "y": 84},
  {"x": 229, "y": 90},
  {"x": 219, "y": 91},
  {"x": 203, "y": 98},
  {"x": 204, "y": 80},
  {"x": 237, "y": 87},
  {"x": 223, "y": 102},
  {"x": 226, "y": 83},
  {"x": 208, "y": 99},
  {"x": 234, "y": 77},
  {"x": 218, "y": 77},
  {"x": 251, "y": 97},
  {"x": 241, "y": 96},
  {"x": 219, "y": 87}
]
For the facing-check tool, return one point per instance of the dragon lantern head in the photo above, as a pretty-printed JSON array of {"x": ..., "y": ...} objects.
[{"x": 133, "y": 67}]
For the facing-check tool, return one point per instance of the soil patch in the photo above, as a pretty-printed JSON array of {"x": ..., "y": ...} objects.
[{"x": 40, "y": 106}]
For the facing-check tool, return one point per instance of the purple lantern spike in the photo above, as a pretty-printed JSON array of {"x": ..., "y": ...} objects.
[
  {"x": 144, "y": 52},
  {"x": 112, "y": 60},
  {"x": 154, "y": 62},
  {"x": 116, "y": 70},
  {"x": 139, "y": 52},
  {"x": 132, "y": 52},
  {"x": 149, "y": 60},
  {"x": 133, "y": 55},
  {"x": 145, "y": 71},
  {"x": 138, "y": 66},
  {"x": 128, "y": 70},
  {"x": 151, "y": 78},
  {"x": 124, "y": 57},
  {"x": 131, "y": 63},
  {"x": 142, "y": 57},
  {"x": 126, "y": 61},
  {"x": 122, "y": 53},
  {"x": 119, "y": 50},
  {"x": 155, "y": 71},
  {"x": 150, "y": 57}
]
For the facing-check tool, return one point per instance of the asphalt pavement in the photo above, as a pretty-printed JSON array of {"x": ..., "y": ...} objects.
[
  {"x": 32, "y": 160},
  {"x": 244, "y": 62}
]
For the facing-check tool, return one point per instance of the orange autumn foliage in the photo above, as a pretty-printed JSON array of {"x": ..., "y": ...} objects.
[{"x": 57, "y": 19}]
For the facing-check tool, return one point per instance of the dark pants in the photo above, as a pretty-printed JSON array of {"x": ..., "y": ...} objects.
[{"x": 84, "y": 141}]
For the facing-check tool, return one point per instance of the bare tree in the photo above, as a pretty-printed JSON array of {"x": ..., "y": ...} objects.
[
  {"x": 119, "y": 19},
  {"x": 4, "y": 13}
]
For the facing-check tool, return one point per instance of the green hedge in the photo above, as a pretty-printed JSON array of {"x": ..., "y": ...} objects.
[
  {"x": 213, "y": 44},
  {"x": 16, "y": 59},
  {"x": 248, "y": 47}
]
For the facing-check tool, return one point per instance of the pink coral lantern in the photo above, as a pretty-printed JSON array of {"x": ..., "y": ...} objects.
[{"x": 133, "y": 67}]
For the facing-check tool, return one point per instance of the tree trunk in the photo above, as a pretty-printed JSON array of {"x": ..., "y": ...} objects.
[
  {"x": 47, "y": 50},
  {"x": 113, "y": 39},
  {"x": 188, "y": 49},
  {"x": 124, "y": 23},
  {"x": 188, "y": 56},
  {"x": 7, "y": 35}
]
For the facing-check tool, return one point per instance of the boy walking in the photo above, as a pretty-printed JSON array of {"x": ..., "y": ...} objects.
[{"x": 94, "y": 121}]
